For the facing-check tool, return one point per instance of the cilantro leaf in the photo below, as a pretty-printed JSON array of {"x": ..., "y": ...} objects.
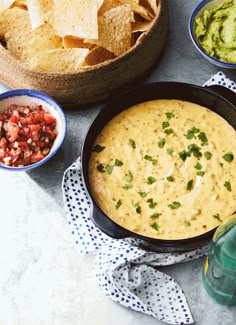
[
  {"x": 132, "y": 143},
  {"x": 170, "y": 178},
  {"x": 184, "y": 154},
  {"x": 152, "y": 204},
  {"x": 118, "y": 163},
  {"x": 127, "y": 186},
  {"x": 169, "y": 131},
  {"x": 154, "y": 162},
  {"x": 118, "y": 204},
  {"x": 228, "y": 156},
  {"x": 227, "y": 185},
  {"x": 137, "y": 208},
  {"x": 190, "y": 185},
  {"x": 198, "y": 166},
  {"x": 165, "y": 125},
  {"x": 194, "y": 150},
  {"x": 98, "y": 148},
  {"x": 148, "y": 157},
  {"x": 169, "y": 151},
  {"x": 174, "y": 205},
  {"x": 155, "y": 226},
  {"x": 202, "y": 136},
  {"x": 161, "y": 143},
  {"x": 143, "y": 194},
  {"x": 129, "y": 178},
  {"x": 151, "y": 180},
  {"x": 109, "y": 169},
  {"x": 187, "y": 223},
  {"x": 169, "y": 115},
  {"x": 207, "y": 155},
  {"x": 155, "y": 215},
  {"x": 201, "y": 173},
  {"x": 217, "y": 216},
  {"x": 191, "y": 133}
]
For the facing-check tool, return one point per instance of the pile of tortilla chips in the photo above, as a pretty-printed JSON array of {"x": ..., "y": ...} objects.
[{"x": 67, "y": 36}]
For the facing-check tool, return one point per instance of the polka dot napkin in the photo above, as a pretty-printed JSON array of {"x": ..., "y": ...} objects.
[{"x": 125, "y": 273}]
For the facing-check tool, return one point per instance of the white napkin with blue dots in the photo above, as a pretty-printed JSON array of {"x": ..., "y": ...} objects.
[{"x": 125, "y": 273}]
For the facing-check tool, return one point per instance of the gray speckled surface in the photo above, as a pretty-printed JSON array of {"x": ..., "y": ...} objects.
[{"x": 43, "y": 280}]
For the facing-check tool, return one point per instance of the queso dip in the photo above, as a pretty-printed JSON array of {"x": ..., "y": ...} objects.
[{"x": 165, "y": 169}]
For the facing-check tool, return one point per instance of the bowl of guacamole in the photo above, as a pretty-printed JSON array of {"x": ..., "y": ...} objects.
[{"x": 212, "y": 28}]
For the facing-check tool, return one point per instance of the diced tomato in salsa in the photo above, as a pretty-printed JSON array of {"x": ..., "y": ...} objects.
[{"x": 27, "y": 134}]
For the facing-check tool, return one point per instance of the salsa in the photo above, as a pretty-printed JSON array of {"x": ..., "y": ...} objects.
[{"x": 27, "y": 134}]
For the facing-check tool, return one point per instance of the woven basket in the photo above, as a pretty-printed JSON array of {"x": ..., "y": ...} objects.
[{"x": 95, "y": 83}]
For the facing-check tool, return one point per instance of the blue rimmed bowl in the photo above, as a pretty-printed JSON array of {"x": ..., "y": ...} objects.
[
  {"x": 197, "y": 12},
  {"x": 26, "y": 97}
]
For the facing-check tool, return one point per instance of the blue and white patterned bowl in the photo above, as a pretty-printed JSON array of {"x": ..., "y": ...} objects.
[
  {"x": 26, "y": 97},
  {"x": 206, "y": 5}
]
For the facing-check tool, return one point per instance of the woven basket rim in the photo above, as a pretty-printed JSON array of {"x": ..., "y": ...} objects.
[{"x": 96, "y": 67}]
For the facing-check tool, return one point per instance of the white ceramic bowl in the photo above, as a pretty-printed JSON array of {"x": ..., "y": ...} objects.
[
  {"x": 27, "y": 97},
  {"x": 203, "y": 5}
]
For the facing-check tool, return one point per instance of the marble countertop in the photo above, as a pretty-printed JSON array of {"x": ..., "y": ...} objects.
[{"x": 43, "y": 280}]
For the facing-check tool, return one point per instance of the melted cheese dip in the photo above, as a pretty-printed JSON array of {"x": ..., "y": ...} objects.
[{"x": 165, "y": 169}]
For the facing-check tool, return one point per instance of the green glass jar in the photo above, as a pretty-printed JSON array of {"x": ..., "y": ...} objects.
[{"x": 219, "y": 273}]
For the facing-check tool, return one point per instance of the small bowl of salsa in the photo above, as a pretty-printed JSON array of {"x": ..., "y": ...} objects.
[
  {"x": 212, "y": 28},
  {"x": 32, "y": 129}
]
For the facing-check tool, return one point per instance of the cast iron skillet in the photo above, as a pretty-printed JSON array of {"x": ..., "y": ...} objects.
[{"x": 218, "y": 99}]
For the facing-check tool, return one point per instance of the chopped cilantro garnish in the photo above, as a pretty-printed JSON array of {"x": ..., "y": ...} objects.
[
  {"x": 132, "y": 143},
  {"x": 152, "y": 204},
  {"x": 109, "y": 169},
  {"x": 169, "y": 115},
  {"x": 187, "y": 223},
  {"x": 221, "y": 164},
  {"x": 228, "y": 157},
  {"x": 169, "y": 151},
  {"x": 118, "y": 163},
  {"x": 165, "y": 125},
  {"x": 154, "y": 162},
  {"x": 169, "y": 131},
  {"x": 101, "y": 168},
  {"x": 190, "y": 185},
  {"x": 184, "y": 154},
  {"x": 143, "y": 194},
  {"x": 174, "y": 205},
  {"x": 217, "y": 216},
  {"x": 151, "y": 180},
  {"x": 148, "y": 157},
  {"x": 155, "y": 215},
  {"x": 98, "y": 148},
  {"x": 127, "y": 186},
  {"x": 227, "y": 185},
  {"x": 155, "y": 226},
  {"x": 201, "y": 173},
  {"x": 118, "y": 204},
  {"x": 198, "y": 166},
  {"x": 170, "y": 178},
  {"x": 191, "y": 133},
  {"x": 161, "y": 143},
  {"x": 194, "y": 150},
  {"x": 202, "y": 136},
  {"x": 207, "y": 155},
  {"x": 129, "y": 178},
  {"x": 137, "y": 208}
]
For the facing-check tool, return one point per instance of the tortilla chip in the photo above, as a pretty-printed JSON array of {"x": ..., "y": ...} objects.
[
  {"x": 137, "y": 8},
  {"x": 5, "y": 4},
  {"x": 141, "y": 26},
  {"x": 76, "y": 18},
  {"x": 153, "y": 4},
  {"x": 107, "y": 5},
  {"x": 14, "y": 20},
  {"x": 40, "y": 11},
  {"x": 19, "y": 4},
  {"x": 60, "y": 60},
  {"x": 98, "y": 55},
  {"x": 74, "y": 42},
  {"x": 114, "y": 30},
  {"x": 23, "y": 44},
  {"x": 100, "y": 3}
]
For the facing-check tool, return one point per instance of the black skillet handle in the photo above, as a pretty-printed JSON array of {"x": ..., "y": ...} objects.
[
  {"x": 225, "y": 92},
  {"x": 107, "y": 226}
]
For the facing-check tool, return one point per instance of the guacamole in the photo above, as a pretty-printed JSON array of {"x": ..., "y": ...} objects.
[{"x": 215, "y": 30}]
